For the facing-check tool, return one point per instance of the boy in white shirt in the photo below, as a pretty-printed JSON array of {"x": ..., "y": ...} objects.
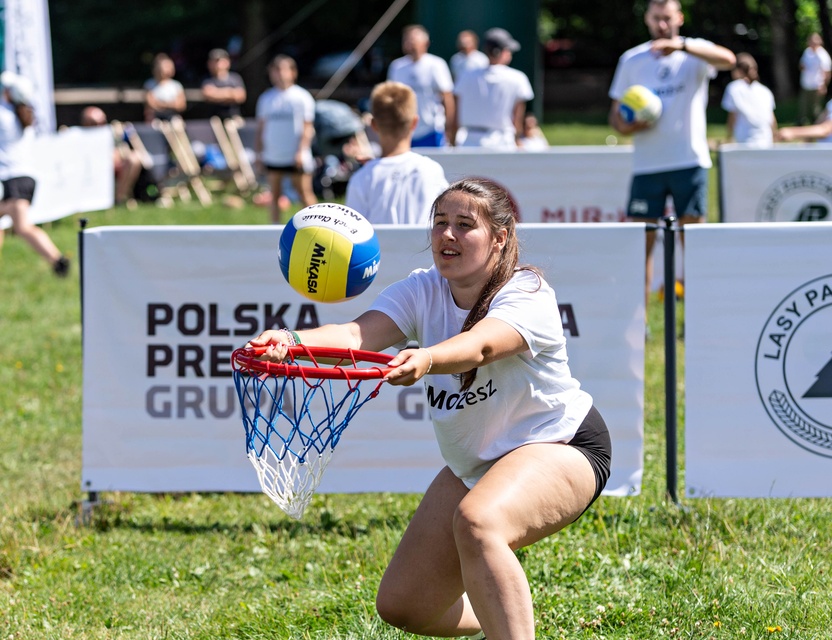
[{"x": 400, "y": 186}]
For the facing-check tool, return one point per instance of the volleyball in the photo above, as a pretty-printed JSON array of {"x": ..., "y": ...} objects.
[
  {"x": 329, "y": 252},
  {"x": 640, "y": 104}
]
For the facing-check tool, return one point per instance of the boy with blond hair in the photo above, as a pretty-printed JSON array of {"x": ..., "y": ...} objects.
[{"x": 401, "y": 185}]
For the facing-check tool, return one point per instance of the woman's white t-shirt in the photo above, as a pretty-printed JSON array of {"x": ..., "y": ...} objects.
[
  {"x": 284, "y": 113},
  {"x": 530, "y": 397},
  {"x": 754, "y": 106}
]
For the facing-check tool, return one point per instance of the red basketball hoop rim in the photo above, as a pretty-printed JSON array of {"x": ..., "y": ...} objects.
[{"x": 347, "y": 366}]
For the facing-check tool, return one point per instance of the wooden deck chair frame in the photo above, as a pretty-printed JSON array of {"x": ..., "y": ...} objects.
[
  {"x": 183, "y": 155},
  {"x": 232, "y": 129},
  {"x": 243, "y": 184}
]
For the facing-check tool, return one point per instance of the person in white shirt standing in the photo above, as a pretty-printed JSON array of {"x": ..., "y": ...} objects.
[
  {"x": 815, "y": 73},
  {"x": 491, "y": 102},
  {"x": 429, "y": 76},
  {"x": 285, "y": 128},
  {"x": 670, "y": 156},
  {"x": 401, "y": 185},
  {"x": 468, "y": 57},
  {"x": 750, "y": 106}
]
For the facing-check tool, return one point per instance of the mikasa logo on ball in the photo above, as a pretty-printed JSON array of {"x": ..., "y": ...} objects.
[{"x": 315, "y": 262}]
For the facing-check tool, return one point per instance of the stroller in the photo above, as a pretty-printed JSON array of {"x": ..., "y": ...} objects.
[{"x": 336, "y": 125}]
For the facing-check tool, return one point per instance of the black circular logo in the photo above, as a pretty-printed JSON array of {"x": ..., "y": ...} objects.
[
  {"x": 797, "y": 197},
  {"x": 794, "y": 366}
]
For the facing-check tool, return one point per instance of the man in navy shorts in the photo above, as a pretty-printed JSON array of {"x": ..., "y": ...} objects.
[{"x": 670, "y": 156}]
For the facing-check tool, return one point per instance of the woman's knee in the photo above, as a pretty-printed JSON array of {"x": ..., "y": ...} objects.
[
  {"x": 475, "y": 523},
  {"x": 395, "y": 611}
]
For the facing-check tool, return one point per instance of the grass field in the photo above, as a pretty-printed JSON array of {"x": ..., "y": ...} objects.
[{"x": 216, "y": 566}]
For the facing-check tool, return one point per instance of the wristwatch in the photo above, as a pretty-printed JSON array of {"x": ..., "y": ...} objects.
[{"x": 684, "y": 43}]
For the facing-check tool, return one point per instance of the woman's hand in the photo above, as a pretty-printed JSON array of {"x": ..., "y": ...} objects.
[
  {"x": 410, "y": 365},
  {"x": 277, "y": 344}
]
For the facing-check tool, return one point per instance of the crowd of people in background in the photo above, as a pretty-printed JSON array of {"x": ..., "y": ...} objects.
[{"x": 475, "y": 99}]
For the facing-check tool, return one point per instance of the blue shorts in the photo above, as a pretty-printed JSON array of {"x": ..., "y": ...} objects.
[
  {"x": 687, "y": 187},
  {"x": 434, "y": 139}
]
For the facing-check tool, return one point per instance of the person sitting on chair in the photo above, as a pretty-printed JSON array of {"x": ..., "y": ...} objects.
[{"x": 127, "y": 163}]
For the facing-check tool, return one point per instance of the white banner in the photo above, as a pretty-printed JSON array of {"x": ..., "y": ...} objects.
[
  {"x": 563, "y": 184},
  {"x": 74, "y": 173},
  {"x": 758, "y": 360},
  {"x": 164, "y": 307},
  {"x": 28, "y": 53},
  {"x": 789, "y": 183}
]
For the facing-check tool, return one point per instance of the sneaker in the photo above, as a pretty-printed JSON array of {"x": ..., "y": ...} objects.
[{"x": 61, "y": 267}]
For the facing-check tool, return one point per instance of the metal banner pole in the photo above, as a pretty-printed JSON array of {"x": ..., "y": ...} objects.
[{"x": 670, "y": 354}]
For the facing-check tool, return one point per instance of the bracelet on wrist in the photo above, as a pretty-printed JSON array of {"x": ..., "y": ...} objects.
[
  {"x": 292, "y": 338},
  {"x": 430, "y": 364}
]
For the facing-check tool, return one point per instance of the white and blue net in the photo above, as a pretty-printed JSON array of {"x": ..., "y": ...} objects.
[{"x": 292, "y": 426}]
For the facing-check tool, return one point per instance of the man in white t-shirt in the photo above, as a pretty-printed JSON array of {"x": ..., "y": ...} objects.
[
  {"x": 401, "y": 185},
  {"x": 671, "y": 156},
  {"x": 491, "y": 102},
  {"x": 468, "y": 56},
  {"x": 429, "y": 76},
  {"x": 815, "y": 73}
]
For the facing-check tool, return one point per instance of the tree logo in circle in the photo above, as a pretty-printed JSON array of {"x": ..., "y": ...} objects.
[{"x": 793, "y": 366}]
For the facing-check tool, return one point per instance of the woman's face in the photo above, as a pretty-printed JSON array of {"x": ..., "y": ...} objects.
[
  {"x": 464, "y": 249},
  {"x": 165, "y": 69}
]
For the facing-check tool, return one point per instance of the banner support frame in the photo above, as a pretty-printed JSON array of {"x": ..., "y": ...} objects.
[{"x": 671, "y": 413}]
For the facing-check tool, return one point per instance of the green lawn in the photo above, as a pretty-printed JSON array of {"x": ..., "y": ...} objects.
[{"x": 212, "y": 566}]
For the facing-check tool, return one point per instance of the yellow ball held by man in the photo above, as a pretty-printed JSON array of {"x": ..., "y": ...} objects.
[
  {"x": 329, "y": 252},
  {"x": 640, "y": 104}
]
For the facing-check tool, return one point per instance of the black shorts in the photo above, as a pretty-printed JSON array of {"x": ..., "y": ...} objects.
[
  {"x": 287, "y": 169},
  {"x": 593, "y": 440},
  {"x": 22, "y": 188}
]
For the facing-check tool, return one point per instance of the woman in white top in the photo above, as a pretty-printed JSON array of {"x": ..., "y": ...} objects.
[
  {"x": 526, "y": 452},
  {"x": 750, "y": 106},
  {"x": 285, "y": 128},
  {"x": 17, "y": 187},
  {"x": 164, "y": 97}
]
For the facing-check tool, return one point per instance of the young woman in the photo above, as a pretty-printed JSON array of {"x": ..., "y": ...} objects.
[
  {"x": 750, "y": 106},
  {"x": 18, "y": 187},
  {"x": 526, "y": 451},
  {"x": 164, "y": 97},
  {"x": 285, "y": 128}
]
